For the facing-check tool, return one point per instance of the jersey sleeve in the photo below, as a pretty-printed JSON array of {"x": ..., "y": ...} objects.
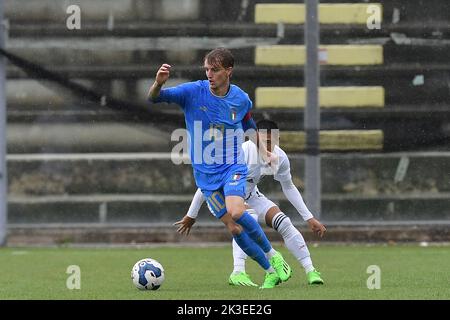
[
  {"x": 248, "y": 122},
  {"x": 284, "y": 171},
  {"x": 179, "y": 94},
  {"x": 249, "y": 104}
]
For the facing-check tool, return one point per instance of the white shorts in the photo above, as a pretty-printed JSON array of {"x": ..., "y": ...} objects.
[{"x": 260, "y": 203}]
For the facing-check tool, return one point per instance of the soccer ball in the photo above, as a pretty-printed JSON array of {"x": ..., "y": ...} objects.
[{"x": 147, "y": 274}]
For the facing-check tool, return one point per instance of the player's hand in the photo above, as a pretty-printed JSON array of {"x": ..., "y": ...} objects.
[
  {"x": 163, "y": 74},
  {"x": 317, "y": 227},
  {"x": 185, "y": 225}
]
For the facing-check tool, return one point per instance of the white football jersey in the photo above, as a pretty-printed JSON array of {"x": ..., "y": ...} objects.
[{"x": 258, "y": 168}]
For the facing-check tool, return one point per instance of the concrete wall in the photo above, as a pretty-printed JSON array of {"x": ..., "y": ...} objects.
[
  {"x": 100, "y": 10},
  {"x": 84, "y": 137},
  {"x": 351, "y": 174},
  {"x": 149, "y": 188},
  {"x": 152, "y": 235}
]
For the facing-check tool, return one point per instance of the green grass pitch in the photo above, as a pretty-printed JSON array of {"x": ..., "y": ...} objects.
[{"x": 407, "y": 272}]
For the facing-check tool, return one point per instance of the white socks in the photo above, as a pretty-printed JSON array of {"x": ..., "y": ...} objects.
[
  {"x": 293, "y": 239},
  {"x": 239, "y": 257}
]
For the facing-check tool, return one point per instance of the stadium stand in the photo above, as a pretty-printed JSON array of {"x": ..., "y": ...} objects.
[
  {"x": 72, "y": 162},
  {"x": 292, "y": 55}
]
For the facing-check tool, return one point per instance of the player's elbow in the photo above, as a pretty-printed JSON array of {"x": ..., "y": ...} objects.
[
  {"x": 152, "y": 97},
  {"x": 153, "y": 94}
]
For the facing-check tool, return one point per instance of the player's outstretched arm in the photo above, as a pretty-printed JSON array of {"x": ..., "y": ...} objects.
[
  {"x": 196, "y": 204},
  {"x": 185, "y": 224},
  {"x": 161, "y": 77},
  {"x": 295, "y": 198}
]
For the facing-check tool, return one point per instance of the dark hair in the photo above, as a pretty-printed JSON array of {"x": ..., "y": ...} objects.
[
  {"x": 220, "y": 57},
  {"x": 266, "y": 124}
]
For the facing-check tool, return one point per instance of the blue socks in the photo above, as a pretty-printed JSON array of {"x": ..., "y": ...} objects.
[
  {"x": 251, "y": 248},
  {"x": 254, "y": 230}
]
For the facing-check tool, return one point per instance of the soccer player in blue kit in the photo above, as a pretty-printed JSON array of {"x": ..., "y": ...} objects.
[{"x": 219, "y": 110}]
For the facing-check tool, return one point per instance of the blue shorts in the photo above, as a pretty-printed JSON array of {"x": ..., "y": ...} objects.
[{"x": 215, "y": 187}]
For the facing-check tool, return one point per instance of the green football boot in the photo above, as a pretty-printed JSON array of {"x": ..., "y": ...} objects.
[
  {"x": 283, "y": 270},
  {"x": 241, "y": 279},
  {"x": 270, "y": 281},
  {"x": 314, "y": 277}
]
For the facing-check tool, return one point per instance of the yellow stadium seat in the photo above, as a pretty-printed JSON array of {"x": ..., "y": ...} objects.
[
  {"x": 287, "y": 55},
  {"x": 329, "y": 13},
  {"x": 334, "y": 140},
  {"x": 295, "y": 97}
]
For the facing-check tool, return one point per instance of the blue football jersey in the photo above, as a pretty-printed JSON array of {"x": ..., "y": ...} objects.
[{"x": 214, "y": 124}]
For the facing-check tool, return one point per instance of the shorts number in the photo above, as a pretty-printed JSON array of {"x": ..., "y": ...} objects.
[{"x": 217, "y": 201}]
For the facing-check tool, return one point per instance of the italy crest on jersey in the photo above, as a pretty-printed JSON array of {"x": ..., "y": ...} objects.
[
  {"x": 233, "y": 114},
  {"x": 236, "y": 176}
]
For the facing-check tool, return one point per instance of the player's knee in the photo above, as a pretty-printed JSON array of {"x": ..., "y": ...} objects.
[
  {"x": 270, "y": 215},
  {"x": 236, "y": 212},
  {"x": 281, "y": 221}
]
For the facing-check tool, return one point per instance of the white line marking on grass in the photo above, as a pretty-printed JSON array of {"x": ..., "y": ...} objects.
[{"x": 19, "y": 253}]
